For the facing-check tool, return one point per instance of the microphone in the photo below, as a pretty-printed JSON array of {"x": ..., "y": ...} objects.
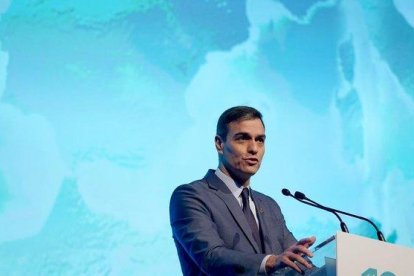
[
  {"x": 286, "y": 192},
  {"x": 301, "y": 196}
]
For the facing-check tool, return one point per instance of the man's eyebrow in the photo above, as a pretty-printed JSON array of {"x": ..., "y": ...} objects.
[
  {"x": 242, "y": 134},
  {"x": 238, "y": 134}
]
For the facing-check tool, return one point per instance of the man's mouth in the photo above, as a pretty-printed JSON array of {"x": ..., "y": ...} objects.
[{"x": 251, "y": 161}]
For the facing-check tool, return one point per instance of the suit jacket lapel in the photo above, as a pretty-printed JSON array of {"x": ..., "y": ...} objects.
[{"x": 224, "y": 193}]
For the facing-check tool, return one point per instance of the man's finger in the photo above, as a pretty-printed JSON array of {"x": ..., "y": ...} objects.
[
  {"x": 302, "y": 249},
  {"x": 295, "y": 258},
  {"x": 307, "y": 241},
  {"x": 302, "y": 261},
  {"x": 292, "y": 264}
]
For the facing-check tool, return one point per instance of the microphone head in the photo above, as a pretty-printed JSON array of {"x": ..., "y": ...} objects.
[
  {"x": 286, "y": 192},
  {"x": 300, "y": 196}
]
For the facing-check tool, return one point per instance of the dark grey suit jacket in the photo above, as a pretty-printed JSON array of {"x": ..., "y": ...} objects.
[{"x": 212, "y": 235}]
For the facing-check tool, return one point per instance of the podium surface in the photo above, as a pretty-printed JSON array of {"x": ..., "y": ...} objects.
[
  {"x": 351, "y": 255},
  {"x": 356, "y": 255}
]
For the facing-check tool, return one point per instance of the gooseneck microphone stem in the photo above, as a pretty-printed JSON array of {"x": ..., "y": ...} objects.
[
  {"x": 344, "y": 228},
  {"x": 301, "y": 197}
]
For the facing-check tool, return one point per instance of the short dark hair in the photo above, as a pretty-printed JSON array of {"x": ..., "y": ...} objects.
[{"x": 234, "y": 114}]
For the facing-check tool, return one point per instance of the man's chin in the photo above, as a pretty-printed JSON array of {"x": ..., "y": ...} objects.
[
  {"x": 243, "y": 174},
  {"x": 252, "y": 169},
  {"x": 249, "y": 172}
]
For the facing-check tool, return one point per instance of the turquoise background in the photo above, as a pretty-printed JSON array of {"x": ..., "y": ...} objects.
[{"x": 107, "y": 106}]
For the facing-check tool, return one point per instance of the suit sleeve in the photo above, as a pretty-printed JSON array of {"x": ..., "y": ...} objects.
[{"x": 195, "y": 231}]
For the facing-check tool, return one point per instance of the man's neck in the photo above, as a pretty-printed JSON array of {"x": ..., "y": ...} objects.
[{"x": 239, "y": 180}]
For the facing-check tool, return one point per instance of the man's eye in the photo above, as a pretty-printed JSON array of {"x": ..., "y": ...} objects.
[{"x": 242, "y": 137}]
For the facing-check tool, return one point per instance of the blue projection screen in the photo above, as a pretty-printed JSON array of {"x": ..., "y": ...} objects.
[{"x": 107, "y": 106}]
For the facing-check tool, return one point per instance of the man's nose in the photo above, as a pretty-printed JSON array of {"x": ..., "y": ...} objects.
[{"x": 253, "y": 147}]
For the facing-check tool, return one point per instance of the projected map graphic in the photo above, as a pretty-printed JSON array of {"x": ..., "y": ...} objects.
[{"x": 106, "y": 107}]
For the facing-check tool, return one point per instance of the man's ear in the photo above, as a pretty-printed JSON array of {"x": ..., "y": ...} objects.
[{"x": 219, "y": 144}]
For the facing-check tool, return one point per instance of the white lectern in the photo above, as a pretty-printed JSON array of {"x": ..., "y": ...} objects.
[
  {"x": 357, "y": 255},
  {"x": 351, "y": 255}
]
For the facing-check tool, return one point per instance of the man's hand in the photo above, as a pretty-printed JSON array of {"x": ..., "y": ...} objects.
[{"x": 293, "y": 254}]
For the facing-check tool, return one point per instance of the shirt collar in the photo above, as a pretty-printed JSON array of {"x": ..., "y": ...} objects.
[{"x": 235, "y": 189}]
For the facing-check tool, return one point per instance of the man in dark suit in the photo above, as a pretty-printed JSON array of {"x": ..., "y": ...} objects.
[{"x": 223, "y": 227}]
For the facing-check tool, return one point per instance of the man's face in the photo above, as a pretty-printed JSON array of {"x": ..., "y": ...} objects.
[{"x": 242, "y": 152}]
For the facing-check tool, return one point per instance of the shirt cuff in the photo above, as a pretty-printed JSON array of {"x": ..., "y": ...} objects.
[{"x": 262, "y": 269}]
